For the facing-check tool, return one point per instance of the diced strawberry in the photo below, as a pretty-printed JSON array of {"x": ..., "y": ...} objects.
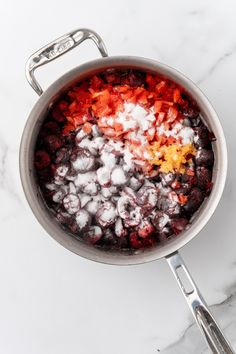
[
  {"x": 157, "y": 106},
  {"x": 150, "y": 80},
  {"x": 176, "y": 184},
  {"x": 68, "y": 127},
  {"x": 172, "y": 114},
  {"x": 161, "y": 87},
  {"x": 183, "y": 199},
  {"x": 87, "y": 127},
  {"x": 176, "y": 95}
]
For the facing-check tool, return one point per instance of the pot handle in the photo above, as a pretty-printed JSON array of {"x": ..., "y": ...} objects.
[
  {"x": 57, "y": 48},
  {"x": 208, "y": 326}
]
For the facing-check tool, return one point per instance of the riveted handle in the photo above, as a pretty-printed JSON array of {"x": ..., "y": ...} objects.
[
  {"x": 207, "y": 324},
  {"x": 57, "y": 48}
]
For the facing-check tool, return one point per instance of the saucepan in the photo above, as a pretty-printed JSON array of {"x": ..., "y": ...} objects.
[{"x": 207, "y": 324}]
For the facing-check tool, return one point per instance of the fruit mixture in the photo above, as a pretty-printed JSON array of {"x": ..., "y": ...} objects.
[{"x": 124, "y": 160}]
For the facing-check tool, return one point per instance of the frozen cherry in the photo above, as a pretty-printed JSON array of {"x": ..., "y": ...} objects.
[
  {"x": 71, "y": 203},
  {"x": 104, "y": 176},
  {"x": 195, "y": 199},
  {"x": 178, "y": 225},
  {"x": 83, "y": 220},
  {"x": 167, "y": 178},
  {"x": 41, "y": 159},
  {"x": 58, "y": 196},
  {"x": 191, "y": 111},
  {"x": 124, "y": 206},
  {"x": 72, "y": 189},
  {"x": 118, "y": 176},
  {"x": 90, "y": 188},
  {"x": 127, "y": 191},
  {"x": 134, "y": 240},
  {"x": 135, "y": 217},
  {"x": 160, "y": 220},
  {"x": 80, "y": 136},
  {"x": 63, "y": 218},
  {"x": 191, "y": 180},
  {"x": 145, "y": 229},
  {"x": 57, "y": 115},
  {"x": 62, "y": 155},
  {"x": 170, "y": 207},
  {"x": 136, "y": 79},
  {"x": 204, "y": 157},
  {"x": 60, "y": 173},
  {"x": 134, "y": 183},
  {"x": 83, "y": 161},
  {"x": 84, "y": 200},
  {"x": 108, "y": 239},
  {"x": 52, "y": 142},
  {"x": 106, "y": 214},
  {"x": 184, "y": 188},
  {"x": 164, "y": 234},
  {"x": 92, "y": 206},
  {"x": 204, "y": 176},
  {"x": 147, "y": 197},
  {"x": 195, "y": 121},
  {"x": 49, "y": 128},
  {"x": 93, "y": 234},
  {"x": 120, "y": 231},
  {"x": 201, "y": 138}
]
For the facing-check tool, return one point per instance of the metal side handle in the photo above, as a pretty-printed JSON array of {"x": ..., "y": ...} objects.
[
  {"x": 207, "y": 324},
  {"x": 57, "y": 48}
]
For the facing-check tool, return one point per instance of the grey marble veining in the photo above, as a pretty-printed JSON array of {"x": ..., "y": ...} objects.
[{"x": 54, "y": 302}]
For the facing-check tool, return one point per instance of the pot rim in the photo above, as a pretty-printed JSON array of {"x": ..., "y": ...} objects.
[{"x": 35, "y": 200}]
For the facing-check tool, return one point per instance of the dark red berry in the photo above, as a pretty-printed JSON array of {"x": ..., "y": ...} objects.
[
  {"x": 145, "y": 229},
  {"x": 109, "y": 238},
  {"x": 50, "y": 128},
  {"x": 178, "y": 225},
  {"x": 52, "y": 142},
  {"x": 134, "y": 241},
  {"x": 93, "y": 234},
  {"x": 195, "y": 199},
  {"x": 160, "y": 220},
  {"x": 106, "y": 214},
  {"x": 147, "y": 197},
  {"x": 204, "y": 157},
  {"x": 41, "y": 159},
  {"x": 204, "y": 176},
  {"x": 62, "y": 155},
  {"x": 191, "y": 112},
  {"x": 58, "y": 115},
  {"x": 167, "y": 178},
  {"x": 136, "y": 79},
  {"x": 169, "y": 207},
  {"x": 164, "y": 234},
  {"x": 201, "y": 138}
]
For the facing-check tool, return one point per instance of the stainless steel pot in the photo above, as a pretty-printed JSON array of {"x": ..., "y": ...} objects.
[{"x": 210, "y": 330}]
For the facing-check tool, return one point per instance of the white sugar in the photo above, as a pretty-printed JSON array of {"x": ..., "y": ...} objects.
[
  {"x": 84, "y": 178},
  {"x": 187, "y": 135},
  {"x": 135, "y": 117},
  {"x": 118, "y": 176},
  {"x": 103, "y": 176},
  {"x": 109, "y": 214},
  {"x": 82, "y": 219},
  {"x": 108, "y": 159},
  {"x": 84, "y": 199}
]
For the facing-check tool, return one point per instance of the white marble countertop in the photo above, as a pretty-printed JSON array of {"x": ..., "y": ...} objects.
[{"x": 54, "y": 302}]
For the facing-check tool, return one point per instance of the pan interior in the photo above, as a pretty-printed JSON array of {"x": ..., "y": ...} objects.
[{"x": 37, "y": 203}]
